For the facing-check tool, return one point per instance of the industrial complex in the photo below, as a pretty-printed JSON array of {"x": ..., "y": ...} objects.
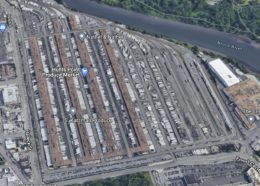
[{"x": 82, "y": 98}]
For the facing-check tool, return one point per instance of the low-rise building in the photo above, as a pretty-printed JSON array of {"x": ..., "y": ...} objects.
[
  {"x": 223, "y": 72},
  {"x": 9, "y": 94},
  {"x": 10, "y": 144}
]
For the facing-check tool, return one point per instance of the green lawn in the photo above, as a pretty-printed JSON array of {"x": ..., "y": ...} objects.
[{"x": 137, "y": 179}]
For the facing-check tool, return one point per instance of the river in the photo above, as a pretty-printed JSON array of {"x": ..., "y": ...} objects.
[{"x": 240, "y": 48}]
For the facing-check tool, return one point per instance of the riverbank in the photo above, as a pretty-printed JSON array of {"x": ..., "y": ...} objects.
[
  {"x": 248, "y": 53},
  {"x": 196, "y": 51},
  {"x": 227, "y": 16}
]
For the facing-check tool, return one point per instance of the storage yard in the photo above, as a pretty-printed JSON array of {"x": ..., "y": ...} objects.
[
  {"x": 133, "y": 100},
  {"x": 84, "y": 98}
]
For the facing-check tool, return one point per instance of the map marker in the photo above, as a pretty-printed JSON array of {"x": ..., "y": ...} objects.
[
  {"x": 2, "y": 27},
  {"x": 72, "y": 111},
  {"x": 82, "y": 36},
  {"x": 84, "y": 71},
  {"x": 251, "y": 119}
]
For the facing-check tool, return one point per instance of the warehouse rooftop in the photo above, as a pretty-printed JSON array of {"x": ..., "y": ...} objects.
[{"x": 227, "y": 77}]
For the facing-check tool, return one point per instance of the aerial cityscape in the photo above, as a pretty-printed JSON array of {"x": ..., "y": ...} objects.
[{"x": 91, "y": 100}]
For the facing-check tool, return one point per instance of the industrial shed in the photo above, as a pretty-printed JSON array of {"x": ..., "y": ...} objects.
[{"x": 224, "y": 74}]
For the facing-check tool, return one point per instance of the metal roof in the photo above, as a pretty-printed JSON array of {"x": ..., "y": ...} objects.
[{"x": 227, "y": 77}]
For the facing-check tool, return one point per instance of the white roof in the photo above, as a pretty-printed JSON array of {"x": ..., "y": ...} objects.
[
  {"x": 10, "y": 94},
  {"x": 47, "y": 155},
  {"x": 8, "y": 126},
  {"x": 44, "y": 134},
  {"x": 223, "y": 72},
  {"x": 10, "y": 144}
]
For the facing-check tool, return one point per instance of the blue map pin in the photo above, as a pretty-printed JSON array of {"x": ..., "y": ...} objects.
[
  {"x": 84, "y": 71},
  {"x": 2, "y": 27}
]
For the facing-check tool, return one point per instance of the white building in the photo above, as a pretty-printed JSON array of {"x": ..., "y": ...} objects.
[
  {"x": 10, "y": 144},
  {"x": 10, "y": 94},
  {"x": 225, "y": 75}
]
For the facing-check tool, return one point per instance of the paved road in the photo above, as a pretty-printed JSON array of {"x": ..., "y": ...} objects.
[{"x": 220, "y": 158}]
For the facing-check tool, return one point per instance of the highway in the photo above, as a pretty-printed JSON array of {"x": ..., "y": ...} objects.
[
  {"x": 141, "y": 161},
  {"x": 213, "y": 159}
]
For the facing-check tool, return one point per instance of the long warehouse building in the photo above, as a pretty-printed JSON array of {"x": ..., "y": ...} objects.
[{"x": 224, "y": 74}]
